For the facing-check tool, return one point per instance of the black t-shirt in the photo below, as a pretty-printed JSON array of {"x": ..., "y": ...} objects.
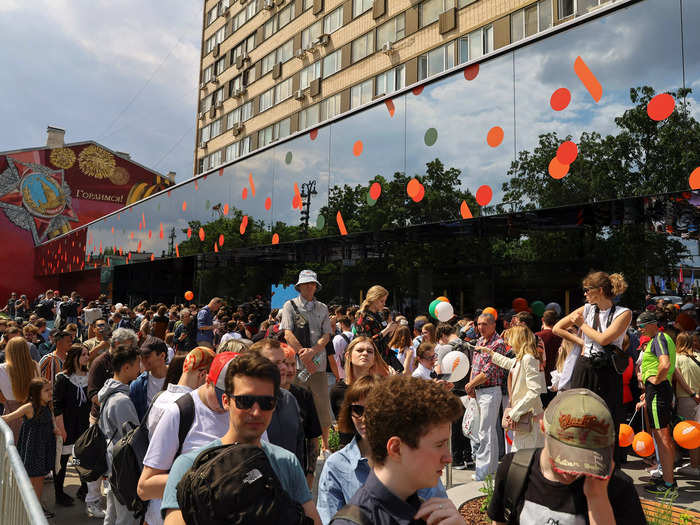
[
  {"x": 44, "y": 309},
  {"x": 548, "y": 501}
]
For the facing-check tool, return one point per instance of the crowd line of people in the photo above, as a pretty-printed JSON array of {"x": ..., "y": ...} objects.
[{"x": 238, "y": 404}]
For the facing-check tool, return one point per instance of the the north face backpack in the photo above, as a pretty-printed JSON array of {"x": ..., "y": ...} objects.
[
  {"x": 129, "y": 451},
  {"x": 236, "y": 485}
]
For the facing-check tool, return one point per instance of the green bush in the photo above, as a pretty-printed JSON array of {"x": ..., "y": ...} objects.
[{"x": 487, "y": 489}]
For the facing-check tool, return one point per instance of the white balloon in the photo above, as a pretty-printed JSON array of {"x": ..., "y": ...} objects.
[
  {"x": 444, "y": 312},
  {"x": 456, "y": 364}
]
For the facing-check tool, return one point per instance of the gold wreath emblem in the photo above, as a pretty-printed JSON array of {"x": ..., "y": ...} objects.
[
  {"x": 119, "y": 177},
  {"x": 96, "y": 162},
  {"x": 62, "y": 158}
]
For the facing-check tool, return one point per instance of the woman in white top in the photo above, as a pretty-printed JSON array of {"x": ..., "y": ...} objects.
[
  {"x": 15, "y": 375},
  {"x": 525, "y": 384},
  {"x": 425, "y": 361},
  {"x": 603, "y": 325}
]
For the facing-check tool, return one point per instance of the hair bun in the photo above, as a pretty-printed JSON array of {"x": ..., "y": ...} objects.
[{"x": 619, "y": 285}]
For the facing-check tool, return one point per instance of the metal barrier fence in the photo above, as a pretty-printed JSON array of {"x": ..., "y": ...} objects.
[{"x": 18, "y": 502}]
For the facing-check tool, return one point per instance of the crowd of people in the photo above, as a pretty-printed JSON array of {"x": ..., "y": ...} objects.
[{"x": 239, "y": 403}]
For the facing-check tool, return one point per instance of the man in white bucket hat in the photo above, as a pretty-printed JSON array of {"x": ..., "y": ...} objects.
[{"x": 307, "y": 329}]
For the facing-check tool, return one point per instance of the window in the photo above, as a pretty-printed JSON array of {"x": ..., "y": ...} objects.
[
  {"x": 282, "y": 128},
  {"x": 232, "y": 118},
  {"x": 221, "y": 35},
  {"x": 265, "y": 136},
  {"x": 206, "y": 102},
  {"x": 330, "y": 107},
  {"x": 250, "y": 10},
  {"x": 393, "y": 30},
  {"x": 212, "y": 14},
  {"x": 220, "y": 66},
  {"x": 267, "y": 99},
  {"x": 464, "y": 3},
  {"x": 331, "y": 63},
  {"x": 206, "y": 135},
  {"x": 437, "y": 60},
  {"x": 283, "y": 90},
  {"x": 206, "y": 76},
  {"x": 310, "y": 34},
  {"x": 309, "y": 73},
  {"x": 248, "y": 76},
  {"x": 274, "y": 132},
  {"x": 269, "y": 28},
  {"x": 285, "y": 51},
  {"x": 219, "y": 96},
  {"x": 268, "y": 62},
  {"x": 361, "y": 94},
  {"x": 390, "y": 81},
  {"x": 566, "y": 8},
  {"x": 360, "y": 6},
  {"x": 245, "y": 146},
  {"x": 232, "y": 151},
  {"x": 308, "y": 4},
  {"x": 246, "y": 111},
  {"x": 211, "y": 42},
  {"x": 363, "y": 46},
  {"x": 234, "y": 85},
  {"x": 215, "y": 159},
  {"x": 431, "y": 10},
  {"x": 333, "y": 20},
  {"x": 531, "y": 20},
  {"x": 216, "y": 128},
  {"x": 309, "y": 117},
  {"x": 285, "y": 16}
]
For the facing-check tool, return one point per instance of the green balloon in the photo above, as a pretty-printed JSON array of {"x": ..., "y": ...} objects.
[
  {"x": 288, "y": 158},
  {"x": 370, "y": 200},
  {"x": 431, "y": 308},
  {"x": 320, "y": 222},
  {"x": 537, "y": 308},
  {"x": 430, "y": 137}
]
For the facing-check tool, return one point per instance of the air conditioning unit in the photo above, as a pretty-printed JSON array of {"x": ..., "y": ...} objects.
[
  {"x": 203, "y": 85},
  {"x": 269, "y": 5},
  {"x": 299, "y": 53},
  {"x": 387, "y": 48},
  {"x": 225, "y": 11},
  {"x": 245, "y": 57},
  {"x": 202, "y": 114},
  {"x": 212, "y": 112},
  {"x": 214, "y": 80},
  {"x": 299, "y": 94},
  {"x": 217, "y": 50},
  {"x": 203, "y": 144},
  {"x": 237, "y": 129},
  {"x": 322, "y": 40},
  {"x": 220, "y": 105}
]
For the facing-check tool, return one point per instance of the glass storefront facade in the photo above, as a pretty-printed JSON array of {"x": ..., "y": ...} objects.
[{"x": 484, "y": 135}]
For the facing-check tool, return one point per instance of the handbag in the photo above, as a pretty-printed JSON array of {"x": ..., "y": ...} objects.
[
  {"x": 524, "y": 424},
  {"x": 470, "y": 420}
]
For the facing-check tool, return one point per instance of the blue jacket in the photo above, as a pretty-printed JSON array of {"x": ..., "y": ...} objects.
[{"x": 138, "y": 392}]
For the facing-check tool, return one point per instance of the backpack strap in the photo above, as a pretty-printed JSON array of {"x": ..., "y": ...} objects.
[
  {"x": 353, "y": 514},
  {"x": 516, "y": 480},
  {"x": 185, "y": 405}
]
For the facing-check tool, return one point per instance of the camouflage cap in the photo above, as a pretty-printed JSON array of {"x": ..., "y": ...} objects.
[{"x": 580, "y": 433}]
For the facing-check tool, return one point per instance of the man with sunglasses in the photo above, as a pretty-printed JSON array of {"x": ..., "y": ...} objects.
[{"x": 252, "y": 383}]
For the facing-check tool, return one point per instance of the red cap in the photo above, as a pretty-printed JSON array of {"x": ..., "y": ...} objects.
[{"x": 217, "y": 371}]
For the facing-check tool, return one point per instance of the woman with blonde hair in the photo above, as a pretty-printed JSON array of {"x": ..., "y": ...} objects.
[
  {"x": 15, "y": 375},
  {"x": 371, "y": 323},
  {"x": 401, "y": 344},
  {"x": 687, "y": 379},
  {"x": 361, "y": 359},
  {"x": 525, "y": 384},
  {"x": 603, "y": 325}
]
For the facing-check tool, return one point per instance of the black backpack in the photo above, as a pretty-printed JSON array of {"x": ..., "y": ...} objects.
[
  {"x": 90, "y": 452},
  {"x": 301, "y": 327},
  {"x": 516, "y": 481},
  {"x": 236, "y": 485},
  {"x": 129, "y": 451}
]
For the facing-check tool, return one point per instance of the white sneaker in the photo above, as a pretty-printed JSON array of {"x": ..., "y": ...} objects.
[
  {"x": 94, "y": 511},
  {"x": 656, "y": 473},
  {"x": 693, "y": 472}
]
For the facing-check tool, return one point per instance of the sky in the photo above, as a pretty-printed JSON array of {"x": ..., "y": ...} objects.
[{"x": 120, "y": 72}]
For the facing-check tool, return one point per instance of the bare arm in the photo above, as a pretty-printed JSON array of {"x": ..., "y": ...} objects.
[
  {"x": 332, "y": 363},
  {"x": 311, "y": 512},
  {"x": 151, "y": 483},
  {"x": 662, "y": 370},
  {"x": 24, "y": 410},
  {"x": 292, "y": 340},
  {"x": 407, "y": 361},
  {"x": 174, "y": 517},
  {"x": 566, "y": 322},
  {"x": 612, "y": 332}
]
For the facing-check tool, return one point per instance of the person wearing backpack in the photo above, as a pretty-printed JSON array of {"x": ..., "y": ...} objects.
[
  {"x": 251, "y": 384},
  {"x": 154, "y": 356},
  {"x": 117, "y": 412},
  {"x": 572, "y": 479},
  {"x": 208, "y": 421},
  {"x": 341, "y": 342}
]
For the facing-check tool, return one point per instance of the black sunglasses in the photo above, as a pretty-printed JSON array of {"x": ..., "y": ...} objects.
[
  {"x": 357, "y": 410},
  {"x": 247, "y": 402}
]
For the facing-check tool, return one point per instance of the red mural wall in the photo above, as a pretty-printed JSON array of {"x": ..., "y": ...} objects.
[{"x": 47, "y": 192}]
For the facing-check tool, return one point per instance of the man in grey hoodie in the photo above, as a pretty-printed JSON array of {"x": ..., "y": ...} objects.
[{"x": 117, "y": 408}]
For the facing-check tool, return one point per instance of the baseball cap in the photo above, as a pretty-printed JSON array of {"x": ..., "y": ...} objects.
[
  {"x": 646, "y": 318},
  {"x": 198, "y": 358},
  {"x": 580, "y": 433},
  {"x": 217, "y": 373},
  {"x": 153, "y": 344}
]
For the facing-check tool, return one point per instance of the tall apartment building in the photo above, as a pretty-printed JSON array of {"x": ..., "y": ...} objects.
[{"x": 271, "y": 68}]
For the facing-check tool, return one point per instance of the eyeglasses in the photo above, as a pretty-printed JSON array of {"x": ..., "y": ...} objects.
[
  {"x": 430, "y": 357},
  {"x": 357, "y": 410},
  {"x": 246, "y": 402},
  {"x": 586, "y": 290}
]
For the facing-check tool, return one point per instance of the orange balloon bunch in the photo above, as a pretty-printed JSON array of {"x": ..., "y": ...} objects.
[
  {"x": 643, "y": 444},
  {"x": 626, "y": 435}
]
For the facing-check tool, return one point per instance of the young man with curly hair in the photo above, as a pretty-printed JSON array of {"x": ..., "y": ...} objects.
[{"x": 408, "y": 424}]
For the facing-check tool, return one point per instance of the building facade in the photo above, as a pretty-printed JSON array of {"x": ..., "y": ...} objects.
[{"x": 271, "y": 68}]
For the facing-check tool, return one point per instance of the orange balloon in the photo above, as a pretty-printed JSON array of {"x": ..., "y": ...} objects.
[
  {"x": 443, "y": 298},
  {"x": 643, "y": 444},
  {"x": 189, "y": 295},
  {"x": 687, "y": 434},
  {"x": 626, "y": 435},
  {"x": 490, "y": 310}
]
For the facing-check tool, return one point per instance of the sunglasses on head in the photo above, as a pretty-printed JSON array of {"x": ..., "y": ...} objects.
[
  {"x": 246, "y": 402},
  {"x": 357, "y": 410}
]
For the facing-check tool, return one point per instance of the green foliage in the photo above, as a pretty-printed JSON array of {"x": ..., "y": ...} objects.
[
  {"x": 333, "y": 440},
  {"x": 664, "y": 514},
  {"x": 645, "y": 157},
  {"x": 487, "y": 490}
]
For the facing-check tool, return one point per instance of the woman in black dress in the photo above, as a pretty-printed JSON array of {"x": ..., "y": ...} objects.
[
  {"x": 72, "y": 411},
  {"x": 370, "y": 323}
]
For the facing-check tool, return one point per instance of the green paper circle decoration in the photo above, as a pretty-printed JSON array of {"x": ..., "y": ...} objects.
[
  {"x": 431, "y": 136},
  {"x": 431, "y": 308},
  {"x": 288, "y": 157},
  {"x": 320, "y": 222},
  {"x": 370, "y": 200}
]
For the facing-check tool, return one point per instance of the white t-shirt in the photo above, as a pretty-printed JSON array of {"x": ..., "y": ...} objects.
[
  {"x": 589, "y": 316},
  {"x": 401, "y": 356},
  {"x": 164, "y": 400},
  {"x": 6, "y": 383},
  {"x": 339, "y": 345},
  {"x": 228, "y": 336},
  {"x": 153, "y": 386},
  {"x": 92, "y": 315},
  {"x": 422, "y": 371}
]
